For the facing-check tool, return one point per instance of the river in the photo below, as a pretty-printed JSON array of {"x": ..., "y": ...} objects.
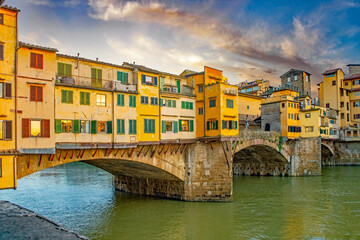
[{"x": 81, "y": 197}]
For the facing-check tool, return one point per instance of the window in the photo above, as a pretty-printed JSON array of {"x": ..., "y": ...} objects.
[
  {"x": 288, "y": 79},
  {"x": 201, "y": 89},
  {"x": 356, "y": 82},
  {"x": 330, "y": 75},
  {"x": 36, "y": 60},
  {"x": 0, "y": 167},
  {"x": 1, "y": 52},
  {"x": 294, "y": 129},
  {"x": 289, "y": 104},
  {"x": 248, "y": 90},
  {"x": 101, "y": 127},
  {"x": 307, "y": 78},
  {"x": 347, "y": 117},
  {"x": 120, "y": 126},
  {"x": 200, "y": 111},
  {"x": 347, "y": 106},
  {"x": 328, "y": 105},
  {"x": 229, "y": 103},
  {"x": 229, "y": 124},
  {"x": 307, "y": 115},
  {"x": 341, "y": 104},
  {"x": 346, "y": 83},
  {"x": 154, "y": 101},
  {"x": 184, "y": 125},
  {"x": 120, "y": 100},
  {"x": 168, "y": 126},
  {"x": 255, "y": 88},
  {"x": 144, "y": 100},
  {"x": 356, "y": 104},
  {"x": 247, "y": 107},
  {"x": 5, "y": 90},
  {"x": 66, "y": 126},
  {"x": 162, "y": 83},
  {"x": 149, "y": 125},
  {"x": 187, "y": 105},
  {"x": 1, "y": 19},
  {"x": 309, "y": 129},
  {"x": 341, "y": 92},
  {"x": 64, "y": 69},
  {"x": 96, "y": 77},
  {"x": 168, "y": 103},
  {"x": 333, "y": 83},
  {"x": 122, "y": 77},
  {"x": 213, "y": 125},
  {"x": 242, "y": 90},
  {"x": 213, "y": 103},
  {"x": 295, "y": 78},
  {"x": 5, "y": 130},
  {"x": 292, "y": 105},
  {"x": 148, "y": 80},
  {"x": 84, "y": 126},
  {"x": 356, "y": 116},
  {"x": 84, "y": 98},
  {"x": 101, "y": 100},
  {"x": 342, "y": 116},
  {"x": 66, "y": 96},
  {"x": 132, "y": 126},
  {"x": 132, "y": 101},
  {"x": 36, "y": 93},
  {"x": 283, "y": 105},
  {"x": 357, "y": 93}
]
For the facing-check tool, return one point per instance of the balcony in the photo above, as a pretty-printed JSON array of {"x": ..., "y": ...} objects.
[
  {"x": 86, "y": 82},
  {"x": 184, "y": 90}
]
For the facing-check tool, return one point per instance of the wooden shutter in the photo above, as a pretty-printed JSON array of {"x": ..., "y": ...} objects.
[
  {"x": 134, "y": 127},
  {"x": 32, "y": 93},
  {"x": 130, "y": 127},
  {"x": 155, "y": 81},
  {"x": 118, "y": 76},
  {"x": 60, "y": 69},
  {"x": 46, "y": 128},
  {"x": 93, "y": 77},
  {"x": 99, "y": 78},
  {"x": 39, "y": 94},
  {"x": 69, "y": 96},
  {"x": 178, "y": 86},
  {"x": 235, "y": 125},
  {"x": 63, "y": 96},
  {"x": 208, "y": 125},
  {"x": 163, "y": 126},
  {"x": 68, "y": 70},
  {"x": 175, "y": 126},
  {"x": 8, "y": 130},
  {"x": 191, "y": 125},
  {"x": 93, "y": 126},
  {"x": 126, "y": 77},
  {"x": 58, "y": 128},
  {"x": 82, "y": 98},
  {"x": 143, "y": 79},
  {"x": 109, "y": 127},
  {"x": 180, "y": 125},
  {"x": 223, "y": 124},
  {"x": 76, "y": 126},
  {"x": 25, "y": 127},
  {"x": 118, "y": 125},
  {"x": 1, "y": 52},
  {"x": 39, "y": 61},
  {"x": 87, "y": 98},
  {"x": 33, "y": 60},
  {"x": 8, "y": 93}
]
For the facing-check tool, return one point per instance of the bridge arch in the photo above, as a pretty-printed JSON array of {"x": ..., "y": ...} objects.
[
  {"x": 327, "y": 154},
  {"x": 261, "y": 157}
]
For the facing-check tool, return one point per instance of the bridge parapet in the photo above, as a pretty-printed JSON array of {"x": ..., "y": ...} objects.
[{"x": 250, "y": 134}]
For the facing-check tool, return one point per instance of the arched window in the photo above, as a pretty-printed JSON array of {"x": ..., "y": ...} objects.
[{"x": 267, "y": 127}]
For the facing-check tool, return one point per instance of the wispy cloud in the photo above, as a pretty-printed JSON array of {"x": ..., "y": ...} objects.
[{"x": 49, "y": 3}]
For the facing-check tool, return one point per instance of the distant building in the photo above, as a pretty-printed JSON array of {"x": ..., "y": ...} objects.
[
  {"x": 249, "y": 109},
  {"x": 297, "y": 80},
  {"x": 257, "y": 87}
]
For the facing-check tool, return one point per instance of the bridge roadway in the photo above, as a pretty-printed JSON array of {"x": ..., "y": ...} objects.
[{"x": 190, "y": 170}]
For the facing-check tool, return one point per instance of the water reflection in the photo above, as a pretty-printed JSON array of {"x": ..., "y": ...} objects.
[{"x": 81, "y": 197}]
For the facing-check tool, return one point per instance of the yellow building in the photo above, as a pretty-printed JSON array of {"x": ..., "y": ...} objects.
[
  {"x": 35, "y": 99},
  {"x": 257, "y": 87},
  {"x": 280, "y": 113},
  {"x": 95, "y": 103},
  {"x": 216, "y": 103},
  {"x": 352, "y": 85},
  {"x": 249, "y": 109},
  {"x": 8, "y": 44}
]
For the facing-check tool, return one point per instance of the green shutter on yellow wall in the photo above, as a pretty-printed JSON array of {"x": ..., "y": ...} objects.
[
  {"x": 93, "y": 126},
  {"x": 58, "y": 126},
  {"x": 175, "y": 127},
  {"x": 180, "y": 125},
  {"x": 60, "y": 70},
  {"x": 191, "y": 125},
  {"x": 163, "y": 126},
  {"x": 87, "y": 98},
  {"x": 82, "y": 98},
  {"x": 178, "y": 83},
  {"x": 109, "y": 127},
  {"x": 76, "y": 126}
]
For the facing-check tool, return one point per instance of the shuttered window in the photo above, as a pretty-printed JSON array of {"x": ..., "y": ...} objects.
[
  {"x": 123, "y": 77},
  {"x": 66, "y": 96},
  {"x": 84, "y": 98},
  {"x": 1, "y": 52},
  {"x": 25, "y": 127},
  {"x": 76, "y": 126},
  {"x": 5, "y": 90},
  {"x": 64, "y": 69},
  {"x": 120, "y": 100},
  {"x": 96, "y": 78},
  {"x": 120, "y": 126},
  {"x": 109, "y": 127},
  {"x": 229, "y": 103},
  {"x": 148, "y": 80},
  {"x": 132, "y": 126},
  {"x": 46, "y": 128},
  {"x": 212, "y": 103},
  {"x": 6, "y": 130},
  {"x": 149, "y": 125},
  {"x": 36, "y": 93},
  {"x": 38, "y": 128},
  {"x": 36, "y": 60},
  {"x": 132, "y": 101},
  {"x": 1, "y": 19},
  {"x": 187, "y": 105}
]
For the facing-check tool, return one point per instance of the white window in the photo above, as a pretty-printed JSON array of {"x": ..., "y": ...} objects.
[
  {"x": 307, "y": 78},
  {"x": 148, "y": 79},
  {"x": 100, "y": 100},
  {"x": 357, "y": 93},
  {"x": 84, "y": 126},
  {"x": 295, "y": 78},
  {"x": 288, "y": 80}
]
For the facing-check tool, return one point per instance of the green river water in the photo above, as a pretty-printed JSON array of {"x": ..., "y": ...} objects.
[{"x": 81, "y": 197}]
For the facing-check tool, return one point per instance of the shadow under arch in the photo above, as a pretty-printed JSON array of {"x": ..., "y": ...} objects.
[
  {"x": 260, "y": 160},
  {"x": 327, "y": 155}
]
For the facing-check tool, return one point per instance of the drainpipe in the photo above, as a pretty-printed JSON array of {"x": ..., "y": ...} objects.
[
  {"x": 15, "y": 87},
  {"x": 204, "y": 112}
]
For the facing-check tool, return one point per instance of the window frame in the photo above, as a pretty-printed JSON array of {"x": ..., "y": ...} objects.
[
  {"x": 102, "y": 102},
  {"x": 2, "y": 51},
  {"x": 36, "y": 97},
  {"x": 212, "y": 103},
  {"x": 229, "y": 103},
  {"x": 38, "y": 62}
]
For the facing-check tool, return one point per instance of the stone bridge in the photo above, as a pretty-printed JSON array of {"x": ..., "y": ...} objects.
[
  {"x": 193, "y": 170},
  {"x": 340, "y": 153}
]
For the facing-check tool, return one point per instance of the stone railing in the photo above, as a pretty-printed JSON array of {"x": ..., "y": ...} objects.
[{"x": 257, "y": 134}]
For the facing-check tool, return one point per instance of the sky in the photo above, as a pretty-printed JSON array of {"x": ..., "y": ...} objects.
[{"x": 247, "y": 39}]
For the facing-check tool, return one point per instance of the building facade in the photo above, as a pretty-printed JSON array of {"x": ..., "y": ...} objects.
[{"x": 297, "y": 80}]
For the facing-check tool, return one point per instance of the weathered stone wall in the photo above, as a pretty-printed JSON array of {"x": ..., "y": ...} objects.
[
  {"x": 270, "y": 115},
  {"x": 347, "y": 153},
  {"x": 150, "y": 187},
  {"x": 208, "y": 174},
  {"x": 306, "y": 157}
]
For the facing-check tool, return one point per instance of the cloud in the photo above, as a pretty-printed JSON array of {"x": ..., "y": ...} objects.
[{"x": 48, "y": 3}]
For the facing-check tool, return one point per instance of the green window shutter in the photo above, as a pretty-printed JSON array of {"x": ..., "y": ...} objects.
[
  {"x": 223, "y": 124},
  {"x": 235, "y": 125},
  {"x": 99, "y": 78},
  {"x": 76, "y": 126},
  {"x": 118, "y": 122},
  {"x": 175, "y": 126},
  {"x": 63, "y": 96},
  {"x": 118, "y": 76},
  {"x": 161, "y": 102},
  {"x": 155, "y": 81},
  {"x": 118, "y": 99},
  {"x": 60, "y": 69},
  {"x": 122, "y": 100},
  {"x": 182, "y": 104},
  {"x": 58, "y": 126},
  {"x": 153, "y": 126},
  {"x": 93, "y": 127},
  {"x": 122, "y": 126},
  {"x": 163, "y": 126},
  {"x": 191, "y": 105},
  {"x": 191, "y": 125},
  {"x": 230, "y": 124},
  {"x": 130, "y": 127},
  {"x": 216, "y": 125},
  {"x": 174, "y": 104},
  {"x": 180, "y": 125},
  {"x": 143, "y": 79},
  {"x": 109, "y": 127},
  {"x": 134, "y": 127},
  {"x": 145, "y": 126},
  {"x": 208, "y": 125},
  {"x": 68, "y": 69},
  {"x": 162, "y": 83},
  {"x": 82, "y": 98},
  {"x": 87, "y": 98},
  {"x": 178, "y": 83},
  {"x": 93, "y": 77},
  {"x": 70, "y": 96},
  {"x": 125, "y": 77}
]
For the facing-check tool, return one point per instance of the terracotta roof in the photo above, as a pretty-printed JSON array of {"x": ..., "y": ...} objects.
[
  {"x": 10, "y": 8},
  {"x": 293, "y": 70},
  {"x": 327, "y": 72},
  {"x": 150, "y": 70},
  {"x": 92, "y": 61},
  {"x": 355, "y": 76},
  {"x": 28, "y": 45}
]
